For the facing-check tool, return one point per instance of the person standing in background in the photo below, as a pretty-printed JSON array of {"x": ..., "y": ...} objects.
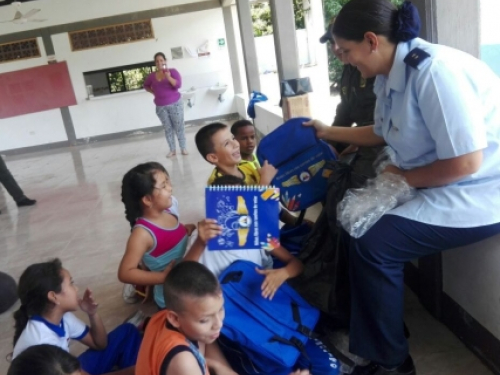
[
  {"x": 164, "y": 84},
  {"x": 12, "y": 187}
]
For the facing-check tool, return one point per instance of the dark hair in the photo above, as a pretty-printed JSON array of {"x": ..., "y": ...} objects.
[
  {"x": 240, "y": 124},
  {"x": 136, "y": 184},
  {"x": 34, "y": 286},
  {"x": 204, "y": 136},
  {"x": 160, "y": 54},
  {"x": 44, "y": 360},
  {"x": 228, "y": 179},
  {"x": 188, "y": 279},
  {"x": 381, "y": 17}
]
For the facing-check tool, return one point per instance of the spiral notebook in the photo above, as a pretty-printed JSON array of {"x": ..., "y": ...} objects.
[{"x": 249, "y": 216}]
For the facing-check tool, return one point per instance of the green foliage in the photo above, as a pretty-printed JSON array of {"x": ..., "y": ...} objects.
[
  {"x": 128, "y": 80},
  {"x": 261, "y": 17}
]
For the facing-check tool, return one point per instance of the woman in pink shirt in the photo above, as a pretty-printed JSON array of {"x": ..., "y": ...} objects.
[{"x": 164, "y": 84}]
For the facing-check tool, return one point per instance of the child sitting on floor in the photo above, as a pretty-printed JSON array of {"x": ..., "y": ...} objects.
[
  {"x": 158, "y": 237},
  {"x": 218, "y": 261},
  {"x": 45, "y": 360},
  {"x": 219, "y": 147},
  {"x": 176, "y": 338},
  {"x": 48, "y": 298}
]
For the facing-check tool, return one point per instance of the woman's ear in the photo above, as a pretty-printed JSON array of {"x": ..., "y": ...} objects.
[{"x": 372, "y": 40}]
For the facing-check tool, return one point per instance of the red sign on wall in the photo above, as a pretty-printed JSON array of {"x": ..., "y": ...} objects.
[{"x": 35, "y": 90}]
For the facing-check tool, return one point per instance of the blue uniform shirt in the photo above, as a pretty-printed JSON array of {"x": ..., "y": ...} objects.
[{"x": 447, "y": 106}]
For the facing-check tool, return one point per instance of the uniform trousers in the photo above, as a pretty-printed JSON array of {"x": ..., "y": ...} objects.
[
  {"x": 121, "y": 352},
  {"x": 376, "y": 262}
]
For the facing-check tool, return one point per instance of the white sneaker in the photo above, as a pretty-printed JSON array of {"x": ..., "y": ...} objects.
[
  {"x": 129, "y": 295},
  {"x": 137, "y": 319}
]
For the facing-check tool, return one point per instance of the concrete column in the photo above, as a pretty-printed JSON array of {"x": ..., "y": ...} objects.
[
  {"x": 426, "y": 9},
  {"x": 285, "y": 40},
  {"x": 458, "y": 28},
  {"x": 231, "y": 35},
  {"x": 310, "y": 30},
  {"x": 248, "y": 44}
]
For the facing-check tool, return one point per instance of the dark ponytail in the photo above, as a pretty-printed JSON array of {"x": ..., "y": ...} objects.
[
  {"x": 381, "y": 17},
  {"x": 34, "y": 286},
  {"x": 44, "y": 360},
  {"x": 136, "y": 184}
]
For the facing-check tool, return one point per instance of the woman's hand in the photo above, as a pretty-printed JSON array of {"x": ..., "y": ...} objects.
[
  {"x": 274, "y": 279},
  {"x": 87, "y": 303},
  {"x": 321, "y": 129},
  {"x": 349, "y": 150},
  {"x": 394, "y": 170},
  {"x": 208, "y": 229}
]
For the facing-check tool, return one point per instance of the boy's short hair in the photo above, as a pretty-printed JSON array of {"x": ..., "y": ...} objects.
[
  {"x": 204, "y": 136},
  {"x": 188, "y": 279},
  {"x": 240, "y": 124},
  {"x": 228, "y": 180}
]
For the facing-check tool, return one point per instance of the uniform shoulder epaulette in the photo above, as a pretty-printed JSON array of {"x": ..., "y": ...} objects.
[{"x": 415, "y": 57}]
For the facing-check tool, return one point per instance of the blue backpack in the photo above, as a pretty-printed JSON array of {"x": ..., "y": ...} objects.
[
  {"x": 300, "y": 158},
  {"x": 259, "y": 335}
]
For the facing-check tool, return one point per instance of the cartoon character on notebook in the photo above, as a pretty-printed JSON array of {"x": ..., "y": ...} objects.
[{"x": 233, "y": 220}]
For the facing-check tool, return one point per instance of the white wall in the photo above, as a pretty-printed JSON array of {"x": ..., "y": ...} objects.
[
  {"x": 35, "y": 128},
  {"x": 266, "y": 54},
  {"x": 32, "y": 130},
  {"x": 135, "y": 110},
  {"x": 470, "y": 274}
]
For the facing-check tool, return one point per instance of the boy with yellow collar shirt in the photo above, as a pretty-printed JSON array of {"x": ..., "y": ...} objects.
[
  {"x": 244, "y": 133},
  {"x": 218, "y": 146}
]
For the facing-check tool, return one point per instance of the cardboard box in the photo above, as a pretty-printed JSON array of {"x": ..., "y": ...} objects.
[{"x": 296, "y": 106}]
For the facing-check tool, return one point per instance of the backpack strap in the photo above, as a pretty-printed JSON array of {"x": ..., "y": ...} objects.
[{"x": 306, "y": 331}]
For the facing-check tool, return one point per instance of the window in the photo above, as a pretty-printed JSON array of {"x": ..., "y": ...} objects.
[
  {"x": 109, "y": 35},
  {"x": 23, "y": 49},
  {"x": 118, "y": 79}
]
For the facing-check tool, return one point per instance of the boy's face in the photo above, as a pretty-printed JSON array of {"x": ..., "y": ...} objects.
[
  {"x": 246, "y": 138},
  {"x": 201, "y": 318},
  {"x": 226, "y": 149}
]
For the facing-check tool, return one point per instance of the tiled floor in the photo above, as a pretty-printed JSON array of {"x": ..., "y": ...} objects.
[{"x": 79, "y": 218}]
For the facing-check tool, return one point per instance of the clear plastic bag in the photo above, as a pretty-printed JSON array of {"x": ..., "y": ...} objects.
[{"x": 361, "y": 208}]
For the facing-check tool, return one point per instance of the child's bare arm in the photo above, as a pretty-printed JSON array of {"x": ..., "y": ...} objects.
[
  {"x": 276, "y": 277},
  {"x": 183, "y": 363},
  {"x": 128, "y": 272},
  {"x": 97, "y": 337},
  {"x": 216, "y": 360},
  {"x": 267, "y": 173},
  {"x": 189, "y": 228}
]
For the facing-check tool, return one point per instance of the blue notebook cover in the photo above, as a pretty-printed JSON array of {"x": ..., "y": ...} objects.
[{"x": 249, "y": 216}]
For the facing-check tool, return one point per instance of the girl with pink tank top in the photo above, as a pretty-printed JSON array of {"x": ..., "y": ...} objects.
[{"x": 158, "y": 238}]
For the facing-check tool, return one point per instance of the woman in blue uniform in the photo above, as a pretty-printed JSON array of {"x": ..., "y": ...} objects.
[{"x": 438, "y": 109}]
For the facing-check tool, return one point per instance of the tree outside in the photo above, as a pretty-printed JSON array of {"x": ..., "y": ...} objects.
[{"x": 262, "y": 25}]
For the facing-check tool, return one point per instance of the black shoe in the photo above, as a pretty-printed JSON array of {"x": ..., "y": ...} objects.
[
  {"x": 370, "y": 369},
  {"x": 407, "y": 368},
  {"x": 26, "y": 202}
]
